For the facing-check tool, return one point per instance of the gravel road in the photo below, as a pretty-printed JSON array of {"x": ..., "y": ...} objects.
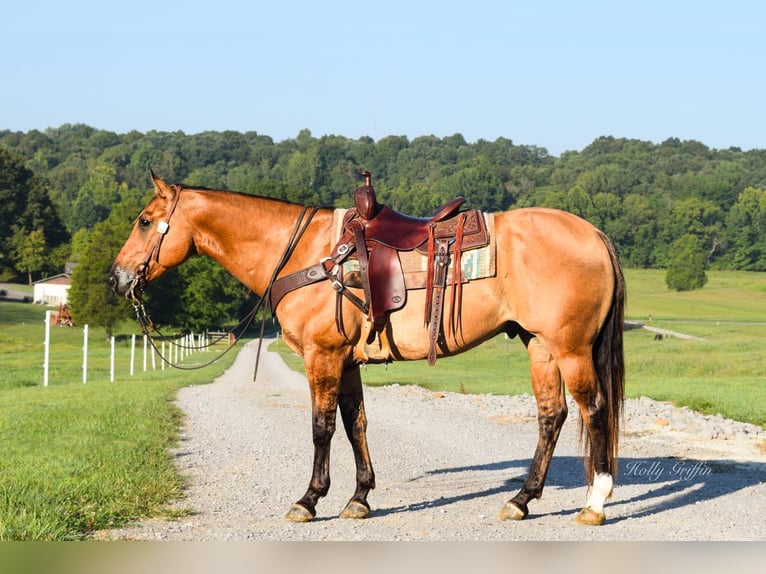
[{"x": 445, "y": 464}]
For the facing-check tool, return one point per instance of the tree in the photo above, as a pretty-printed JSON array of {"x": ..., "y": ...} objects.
[
  {"x": 40, "y": 213},
  {"x": 687, "y": 264},
  {"x": 29, "y": 251},
  {"x": 85, "y": 213},
  {"x": 746, "y": 227},
  {"x": 211, "y": 298},
  {"x": 91, "y": 299},
  {"x": 14, "y": 181},
  {"x": 29, "y": 224},
  {"x": 639, "y": 224},
  {"x": 477, "y": 185},
  {"x": 576, "y": 201}
]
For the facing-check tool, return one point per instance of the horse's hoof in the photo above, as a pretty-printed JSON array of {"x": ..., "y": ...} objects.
[
  {"x": 512, "y": 512},
  {"x": 298, "y": 513},
  {"x": 355, "y": 509},
  {"x": 590, "y": 517}
]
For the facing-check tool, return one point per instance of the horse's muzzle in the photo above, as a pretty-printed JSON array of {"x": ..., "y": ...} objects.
[{"x": 120, "y": 281}]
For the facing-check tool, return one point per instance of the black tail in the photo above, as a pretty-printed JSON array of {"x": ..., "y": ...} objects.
[{"x": 609, "y": 360}]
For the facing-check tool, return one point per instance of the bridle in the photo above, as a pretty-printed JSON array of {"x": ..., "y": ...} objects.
[{"x": 139, "y": 282}]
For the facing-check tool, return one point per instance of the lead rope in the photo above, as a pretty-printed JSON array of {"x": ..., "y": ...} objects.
[
  {"x": 292, "y": 243},
  {"x": 147, "y": 327}
]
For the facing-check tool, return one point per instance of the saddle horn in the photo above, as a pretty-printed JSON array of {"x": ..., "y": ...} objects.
[{"x": 364, "y": 198}]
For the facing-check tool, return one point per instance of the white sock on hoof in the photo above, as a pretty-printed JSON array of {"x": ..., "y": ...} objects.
[{"x": 600, "y": 491}]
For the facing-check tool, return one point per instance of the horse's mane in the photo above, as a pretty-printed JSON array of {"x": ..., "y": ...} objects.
[{"x": 204, "y": 189}]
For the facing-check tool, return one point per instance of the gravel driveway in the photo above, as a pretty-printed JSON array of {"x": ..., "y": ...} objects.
[{"x": 445, "y": 464}]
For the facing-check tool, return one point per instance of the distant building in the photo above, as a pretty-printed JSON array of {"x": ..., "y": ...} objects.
[{"x": 53, "y": 290}]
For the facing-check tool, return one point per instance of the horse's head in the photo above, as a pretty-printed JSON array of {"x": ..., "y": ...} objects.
[{"x": 159, "y": 240}]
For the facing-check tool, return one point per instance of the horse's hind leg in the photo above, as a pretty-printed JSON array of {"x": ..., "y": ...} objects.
[
  {"x": 351, "y": 403},
  {"x": 581, "y": 380},
  {"x": 551, "y": 414}
]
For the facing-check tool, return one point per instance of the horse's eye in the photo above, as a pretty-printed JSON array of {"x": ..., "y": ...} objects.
[{"x": 144, "y": 222}]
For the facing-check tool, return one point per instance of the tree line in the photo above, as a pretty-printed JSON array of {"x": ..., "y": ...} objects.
[{"x": 70, "y": 191}]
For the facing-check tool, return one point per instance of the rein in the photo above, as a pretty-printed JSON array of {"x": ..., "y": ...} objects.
[
  {"x": 139, "y": 283},
  {"x": 147, "y": 327},
  {"x": 292, "y": 243}
]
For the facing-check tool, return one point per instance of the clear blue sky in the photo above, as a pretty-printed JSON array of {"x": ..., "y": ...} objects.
[{"x": 555, "y": 74}]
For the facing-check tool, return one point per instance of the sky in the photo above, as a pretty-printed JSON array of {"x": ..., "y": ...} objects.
[{"x": 554, "y": 74}]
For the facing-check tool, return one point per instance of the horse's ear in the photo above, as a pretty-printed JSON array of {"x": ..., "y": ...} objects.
[{"x": 162, "y": 189}]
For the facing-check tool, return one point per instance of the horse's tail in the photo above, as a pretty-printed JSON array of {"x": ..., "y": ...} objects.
[{"x": 609, "y": 360}]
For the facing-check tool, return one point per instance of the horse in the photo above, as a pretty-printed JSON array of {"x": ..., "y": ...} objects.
[{"x": 558, "y": 287}]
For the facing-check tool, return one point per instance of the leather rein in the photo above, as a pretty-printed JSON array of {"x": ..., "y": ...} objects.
[{"x": 139, "y": 284}]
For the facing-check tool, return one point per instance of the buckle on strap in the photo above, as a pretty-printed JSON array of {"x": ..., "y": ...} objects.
[{"x": 332, "y": 273}]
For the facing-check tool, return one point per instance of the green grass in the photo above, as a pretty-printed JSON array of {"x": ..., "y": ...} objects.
[
  {"x": 724, "y": 373},
  {"x": 80, "y": 457},
  {"x": 84, "y": 457},
  {"x": 728, "y": 296}
]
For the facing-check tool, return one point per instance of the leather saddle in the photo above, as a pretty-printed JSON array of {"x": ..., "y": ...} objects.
[{"x": 377, "y": 233}]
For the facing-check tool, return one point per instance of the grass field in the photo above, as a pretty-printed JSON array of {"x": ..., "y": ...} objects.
[
  {"x": 75, "y": 457},
  {"x": 79, "y": 457}
]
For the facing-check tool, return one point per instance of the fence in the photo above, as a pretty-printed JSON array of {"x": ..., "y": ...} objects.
[{"x": 167, "y": 354}]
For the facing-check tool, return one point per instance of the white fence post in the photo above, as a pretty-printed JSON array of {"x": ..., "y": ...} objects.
[
  {"x": 132, "y": 352},
  {"x": 47, "y": 347},
  {"x": 144, "y": 353},
  {"x": 85, "y": 354},
  {"x": 111, "y": 361}
]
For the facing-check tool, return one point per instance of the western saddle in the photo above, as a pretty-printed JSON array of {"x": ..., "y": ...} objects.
[{"x": 374, "y": 234}]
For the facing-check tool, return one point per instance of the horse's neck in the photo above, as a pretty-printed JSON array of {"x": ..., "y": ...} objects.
[{"x": 247, "y": 235}]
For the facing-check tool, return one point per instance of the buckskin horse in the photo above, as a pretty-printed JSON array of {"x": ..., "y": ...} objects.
[{"x": 557, "y": 285}]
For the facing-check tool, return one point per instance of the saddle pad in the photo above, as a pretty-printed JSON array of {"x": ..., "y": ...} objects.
[{"x": 475, "y": 263}]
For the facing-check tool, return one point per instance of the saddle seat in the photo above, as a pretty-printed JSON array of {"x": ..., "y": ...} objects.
[
  {"x": 392, "y": 228},
  {"x": 404, "y": 232}
]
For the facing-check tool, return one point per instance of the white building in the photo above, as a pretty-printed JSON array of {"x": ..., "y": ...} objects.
[{"x": 53, "y": 290}]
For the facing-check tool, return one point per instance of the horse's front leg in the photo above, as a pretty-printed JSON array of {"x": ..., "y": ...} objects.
[
  {"x": 324, "y": 375},
  {"x": 355, "y": 422}
]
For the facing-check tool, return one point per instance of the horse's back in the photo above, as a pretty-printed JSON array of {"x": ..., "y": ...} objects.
[{"x": 552, "y": 233}]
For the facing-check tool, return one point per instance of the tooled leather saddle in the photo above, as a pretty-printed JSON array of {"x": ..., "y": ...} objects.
[{"x": 374, "y": 234}]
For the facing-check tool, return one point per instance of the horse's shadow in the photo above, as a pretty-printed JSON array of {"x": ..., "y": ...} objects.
[{"x": 672, "y": 482}]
